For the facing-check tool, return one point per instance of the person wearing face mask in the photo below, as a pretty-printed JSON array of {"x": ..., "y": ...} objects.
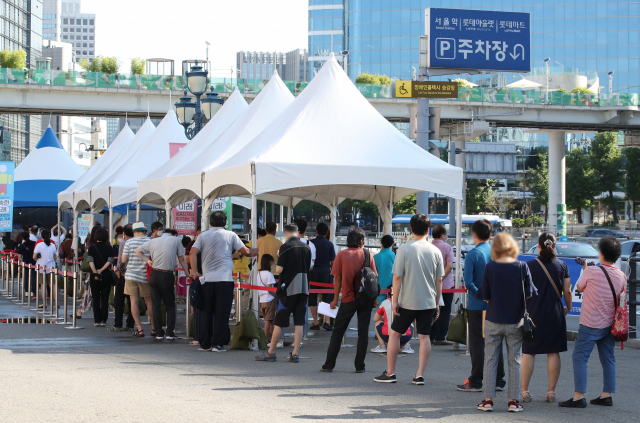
[
  {"x": 156, "y": 230},
  {"x": 120, "y": 297}
]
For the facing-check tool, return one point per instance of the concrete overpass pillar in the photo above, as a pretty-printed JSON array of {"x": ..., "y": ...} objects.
[{"x": 557, "y": 173}]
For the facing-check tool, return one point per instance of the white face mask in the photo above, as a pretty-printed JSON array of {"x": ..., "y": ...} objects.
[
  {"x": 120, "y": 240},
  {"x": 159, "y": 233}
]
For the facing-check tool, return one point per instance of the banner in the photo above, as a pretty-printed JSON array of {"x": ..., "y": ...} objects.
[
  {"x": 185, "y": 218},
  {"x": 6, "y": 196},
  {"x": 84, "y": 222},
  {"x": 223, "y": 204}
]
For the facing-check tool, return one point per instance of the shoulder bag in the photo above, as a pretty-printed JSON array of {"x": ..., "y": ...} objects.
[
  {"x": 555, "y": 287},
  {"x": 527, "y": 327},
  {"x": 620, "y": 328}
]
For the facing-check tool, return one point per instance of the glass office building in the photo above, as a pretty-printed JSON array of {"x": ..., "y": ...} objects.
[{"x": 382, "y": 35}]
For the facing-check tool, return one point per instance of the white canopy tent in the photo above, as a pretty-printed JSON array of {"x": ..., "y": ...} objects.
[
  {"x": 331, "y": 143},
  {"x": 151, "y": 189},
  {"x": 105, "y": 161},
  {"x": 524, "y": 83}
]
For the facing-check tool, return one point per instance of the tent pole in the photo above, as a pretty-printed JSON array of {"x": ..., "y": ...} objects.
[
  {"x": 137, "y": 212},
  {"x": 254, "y": 237},
  {"x": 334, "y": 210},
  {"x": 206, "y": 214},
  {"x": 167, "y": 210},
  {"x": 110, "y": 219},
  {"x": 458, "y": 241},
  {"x": 389, "y": 226},
  {"x": 289, "y": 211},
  {"x": 281, "y": 225}
]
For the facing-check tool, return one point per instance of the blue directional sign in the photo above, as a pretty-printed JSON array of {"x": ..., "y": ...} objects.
[
  {"x": 6, "y": 196},
  {"x": 478, "y": 40}
]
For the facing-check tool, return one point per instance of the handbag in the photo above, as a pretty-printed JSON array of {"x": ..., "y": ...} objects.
[
  {"x": 458, "y": 326},
  {"x": 528, "y": 326},
  {"x": 195, "y": 294},
  {"x": 84, "y": 266},
  {"x": 555, "y": 288},
  {"x": 620, "y": 328}
]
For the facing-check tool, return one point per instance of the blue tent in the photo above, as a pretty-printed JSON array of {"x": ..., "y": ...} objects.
[{"x": 45, "y": 172}]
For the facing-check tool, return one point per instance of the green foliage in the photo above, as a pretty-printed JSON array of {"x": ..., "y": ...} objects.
[
  {"x": 367, "y": 78},
  {"x": 309, "y": 208},
  {"x": 581, "y": 182},
  {"x": 538, "y": 183},
  {"x": 138, "y": 65},
  {"x": 581, "y": 90},
  {"x": 406, "y": 206},
  {"x": 533, "y": 221},
  {"x": 517, "y": 222},
  {"x": 101, "y": 64},
  {"x": 533, "y": 159},
  {"x": 479, "y": 196},
  {"x": 606, "y": 159},
  {"x": 561, "y": 90},
  {"x": 15, "y": 59},
  {"x": 360, "y": 208},
  {"x": 462, "y": 83},
  {"x": 632, "y": 179}
]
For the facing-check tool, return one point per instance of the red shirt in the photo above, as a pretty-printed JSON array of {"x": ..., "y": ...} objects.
[
  {"x": 382, "y": 311},
  {"x": 347, "y": 263}
]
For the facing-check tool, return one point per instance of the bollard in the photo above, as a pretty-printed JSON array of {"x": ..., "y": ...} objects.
[
  {"x": 10, "y": 272},
  {"x": 51, "y": 294},
  {"x": 28, "y": 269},
  {"x": 37, "y": 289},
  {"x": 55, "y": 282},
  {"x": 75, "y": 289},
  {"x": 64, "y": 301},
  {"x": 22, "y": 291},
  {"x": 188, "y": 310}
]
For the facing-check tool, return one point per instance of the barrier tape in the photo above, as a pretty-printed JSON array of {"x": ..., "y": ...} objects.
[{"x": 326, "y": 285}]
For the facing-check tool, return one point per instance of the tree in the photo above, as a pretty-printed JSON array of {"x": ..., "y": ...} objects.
[
  {"x": 582, "y": 90},
  {"x": 462, "y": 83},
  {"x": 406, "y": 206},
  {"x": 538, "y": 183},
  {"x": 138, "y": 65},
  {"x": 632, "y": 179},
  {"x": 101, "y": 64},
  {"x": 367, "y": 78},
  {"x": 15, "y": 59},
  {"x": 581, "y": 186},
  {"x": 360, "y": 208},
  {"x": 606, "y": 159},
  {"x": 479, "y": 194}
]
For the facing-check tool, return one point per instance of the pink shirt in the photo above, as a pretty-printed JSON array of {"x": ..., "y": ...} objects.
[
  {"x": 447, "y": 257},
  {"x": 598, "y": 309}
]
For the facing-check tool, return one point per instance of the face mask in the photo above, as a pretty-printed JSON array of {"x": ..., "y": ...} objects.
[
  {"x": 120, "y": 240},
  {"x": 159, "y": 233}
]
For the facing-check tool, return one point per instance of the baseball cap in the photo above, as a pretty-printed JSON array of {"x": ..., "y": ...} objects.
[{"x": 138, "y": 227}]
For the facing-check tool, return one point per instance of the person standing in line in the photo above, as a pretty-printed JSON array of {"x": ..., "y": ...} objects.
[
  {"x": 551, "y": 277},
  {"x": 45, "y": 254},
  {"x": 120, "y": 297},
  {"x": 136, "y": 284},
  {"x": 441, "y": 326},
  {"x": 58, "y": 232},
  {"x": 325, "y": 255},
  {"x": 292, "y": 291},
  {"x": 268, "y": 303},
  {"x": 156, "y": 230},
  {"x": 346, "y": 272},
  {"x": 384, "y": 265},
  {"x": 474, "y": 264},
  {"x": 417, "y": 280},
  {"x": 506, "y": 285},
  {"x": 217, "y": 246},
  {"x": 100, "y": 260},
  {"x": 382, "y": 321},
  {"x": 302, "y": 229},
  {"x": 163, "y": 252},
  {"x": 26, "y": 250},
  {"x": 33, "y": 235},
  {"x": 601, "y": 287}
]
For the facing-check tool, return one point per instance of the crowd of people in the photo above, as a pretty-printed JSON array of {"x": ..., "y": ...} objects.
[{"x": 503, "y": 295}]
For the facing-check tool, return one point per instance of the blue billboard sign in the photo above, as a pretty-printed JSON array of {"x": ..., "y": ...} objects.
[
  {"x": 478, "y": 40},
  {"x": 6, "y": 196}
]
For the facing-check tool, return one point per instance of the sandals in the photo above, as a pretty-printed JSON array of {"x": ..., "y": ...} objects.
[
  {"x": 551, "y": 396},
  {"x": 486, "y": 405},
  {"x": 194, "y": 342},
  {"x": 515, "y": 407},
  {"x": 153, "y": 333},
  {"x": 139, "y": 333},
  {"x": 526, "y": 396}
]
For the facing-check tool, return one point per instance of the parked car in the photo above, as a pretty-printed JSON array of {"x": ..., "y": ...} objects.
[
  {"x": 599, "y": 233},
  {"x": 571, "y": 249},
  {"x": 629, "y": 248}
]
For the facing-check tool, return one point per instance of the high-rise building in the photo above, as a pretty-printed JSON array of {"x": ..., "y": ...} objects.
[
  {"x": 291, "y": 66},
  {"x": 382, "y": 35},
  {"x": 52, "y": 20},
  {"x": 20, "y": 29},
  {"x": 78, "y": 29},
  {"x": 112, "y": 130}
]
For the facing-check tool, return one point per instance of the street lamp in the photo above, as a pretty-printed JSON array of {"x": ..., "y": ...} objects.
[
  {"x": 524, "y": 183},
  {"x": 187, "y": 110},
  {"x": 546, "y": 66},
  {"x": 610, "y": 73}
]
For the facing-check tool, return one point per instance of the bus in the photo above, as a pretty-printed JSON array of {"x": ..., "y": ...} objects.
[{"x": 400, "y": 223}]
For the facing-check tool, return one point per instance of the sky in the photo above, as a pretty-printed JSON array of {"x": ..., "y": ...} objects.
[{"x": 178, "y": 29}]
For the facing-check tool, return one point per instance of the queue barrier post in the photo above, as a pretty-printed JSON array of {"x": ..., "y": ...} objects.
[
  {"x": 22, "y": 289},
  {"x": 77, "y": 274},
  {"x": 64, "y": 300},
  {"x": 36, "y": 309},
  {"x": 10, "y": 272},
  {"x": 30, "y": 283},
  {"x": 51, "y": 294},
  {"x": 188, "y": 309}
]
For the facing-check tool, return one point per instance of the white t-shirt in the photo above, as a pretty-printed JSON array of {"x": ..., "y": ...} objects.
[
  {"x": 47, "y": 255},
  {"x": 312, "y": 246},
  {"x": 265, "y": 278}
]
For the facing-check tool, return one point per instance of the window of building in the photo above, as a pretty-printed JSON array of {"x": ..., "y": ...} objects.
[
  {"x": 84, "y": 52},
  {"x": 84, "y": 29},
  {"x": 65, "y": 21},
  {"x": 71, "y": 21},
  {"x": 91, "y": 22},
  {"x": 91, "y": 46},
  {"x": 84, "y": 45},
  {"x": 90, "y": 30},
  {"x": 84, "y": 21},
  {"x": 84, "y": 37},
  {"x": 65, "y": 37},
  {"x": 91, "y": 53},
  {"x": 91, "y": 37},
  {"x": 71, "y": 30}
]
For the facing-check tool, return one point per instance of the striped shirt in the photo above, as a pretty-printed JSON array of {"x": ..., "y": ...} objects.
[
  {"x": 597, "y": 309},
  {"x": 136, "y": 268}
]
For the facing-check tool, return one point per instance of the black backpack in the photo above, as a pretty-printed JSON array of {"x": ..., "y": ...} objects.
[{"x": 366, "y": 279}]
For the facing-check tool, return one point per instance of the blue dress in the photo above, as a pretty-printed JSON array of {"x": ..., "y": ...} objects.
[{"x": 546, "y": 309}]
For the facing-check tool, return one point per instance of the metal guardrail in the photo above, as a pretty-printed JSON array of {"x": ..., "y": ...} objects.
[{"x": 634, "y": 282}]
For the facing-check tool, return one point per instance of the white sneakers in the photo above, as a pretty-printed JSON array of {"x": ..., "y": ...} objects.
[
  {"x": 407, "y": 349},
  {"x": 379, "y": 349},
  {"x": 278, "y": 345}
]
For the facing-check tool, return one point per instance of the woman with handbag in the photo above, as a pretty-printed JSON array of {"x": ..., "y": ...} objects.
[
  {"x": 603, "y": 298},
  {"x": 506, "y": 284},
  {"x": 551, "y": 277},
  {"x": 100, "y": 257}
]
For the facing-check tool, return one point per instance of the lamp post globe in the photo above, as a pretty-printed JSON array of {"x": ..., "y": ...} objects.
[
  {"x": 197, "y": 80},
  {"x": 185, "y": 111},
  {"x": 211, "y": 103}
]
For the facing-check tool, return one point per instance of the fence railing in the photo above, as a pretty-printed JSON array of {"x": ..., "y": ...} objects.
[{"x": 247, "y": 86}]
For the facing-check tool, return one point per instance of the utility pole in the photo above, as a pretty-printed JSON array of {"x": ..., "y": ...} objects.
[{"x": 422, "y": 121}]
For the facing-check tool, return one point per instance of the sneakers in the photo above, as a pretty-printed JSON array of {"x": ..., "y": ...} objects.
[
  {"x": 327, "y": 327},
  {"x": 326, "y": 369},
  {"x": 171, "y": 337},
  {"x": 385, "y": 378},
  {"x": 314, "y": 327},
  {"x": 127, "y": 329},
  {"x": 467, "y": 388},
  {"x": 499, "y": 388},
  {"x": 265, "y": 356},
  {"x": 97, "y": 325},
  {"x": 443, "y": 342},
  {"x": 285, "y": 344},
  {"x": 159, "y": 338},
  {"x": 204, "y": 349},
  {"x": 294, "y": 358},
  {"x": 407, "y": 350},
  {"x": 103, "y": 324},
  {"x": 278, "y": 345},
  {"x": 419, "y": 380},
  {"x": 219, "y": 348},
  {"x": 114, "y": 329},
  {"x": 379, "y": 349}
]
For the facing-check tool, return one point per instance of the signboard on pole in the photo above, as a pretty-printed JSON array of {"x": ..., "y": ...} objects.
[
  {"x": 562, "y": 220},
  {"x": 6, "y": 196},
  {"x": 426, "y": 89},
  {"x": 478, "y": 40},
  {"x": 84, "y": 222},
  {"x": 185, "y": 218},
  {"x": 223, "y": 204}
]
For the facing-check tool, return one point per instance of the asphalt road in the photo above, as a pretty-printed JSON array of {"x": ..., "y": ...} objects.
[{"x": 51, "y": 374}]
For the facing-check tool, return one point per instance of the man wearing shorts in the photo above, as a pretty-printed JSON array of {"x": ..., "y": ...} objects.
[
  {"x": 293, "y": 265},
  {"x": 417, "y": 287},
  {"x": 135, "y": 278}
]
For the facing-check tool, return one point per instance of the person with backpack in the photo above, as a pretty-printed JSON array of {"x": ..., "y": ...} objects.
[
  {"x": 417, "y": 286},
  {"x": 354, "y": 272},
  {"x": 25, "y": 249}
]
